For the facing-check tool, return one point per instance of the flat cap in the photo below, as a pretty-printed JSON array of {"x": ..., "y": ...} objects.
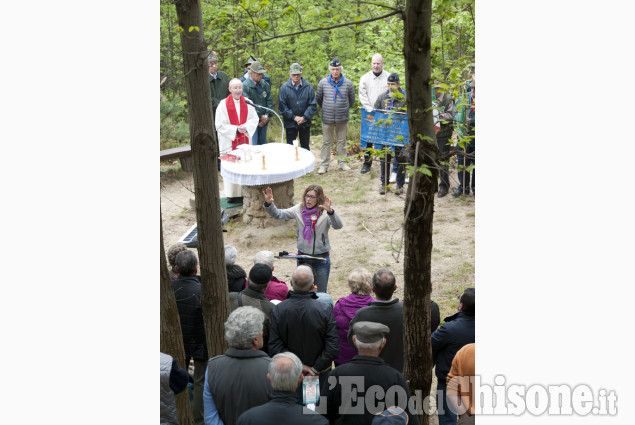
[
  {"x": 257, "y": 68},
  {"x": 369, "y": 332}
]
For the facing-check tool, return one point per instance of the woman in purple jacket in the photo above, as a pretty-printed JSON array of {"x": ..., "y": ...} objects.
[{"x": 360, "y": 283}]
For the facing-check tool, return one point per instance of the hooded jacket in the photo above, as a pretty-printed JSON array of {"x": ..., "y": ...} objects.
[{"x": 344, "y": 311}]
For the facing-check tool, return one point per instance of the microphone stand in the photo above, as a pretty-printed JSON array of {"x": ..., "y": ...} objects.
[{"x": 249, "y": 102}]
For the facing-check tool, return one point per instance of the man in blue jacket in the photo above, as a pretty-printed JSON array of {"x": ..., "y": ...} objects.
[
  {"x": 457, "y": 331},
  {"x": 297, "y": 106}
]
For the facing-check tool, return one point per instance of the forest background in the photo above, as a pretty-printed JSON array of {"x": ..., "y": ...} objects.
[{"x": 237, "y": 30}]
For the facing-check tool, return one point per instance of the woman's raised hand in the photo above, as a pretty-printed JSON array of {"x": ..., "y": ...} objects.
[
  {"x": 268, "y": 195},
  {"x": 327, "y": 204}
]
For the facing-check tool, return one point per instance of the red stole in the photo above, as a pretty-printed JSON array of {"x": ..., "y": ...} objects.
[{"x": 241, "y": 138}]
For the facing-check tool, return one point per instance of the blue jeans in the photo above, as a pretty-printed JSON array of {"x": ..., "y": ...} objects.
[
  {"x": 260, "y": 136},
  {"x": 321, "y": 271},
  {"x": 448, "y": 417}
]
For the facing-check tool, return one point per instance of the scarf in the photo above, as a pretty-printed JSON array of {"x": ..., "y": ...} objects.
[
  {"x": 241, "y": 138},
  {"x": 337, "y": 87},
  {"x": 309, "y": 217}
]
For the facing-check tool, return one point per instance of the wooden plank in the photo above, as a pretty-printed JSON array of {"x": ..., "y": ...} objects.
[{"x": 180, "y": 152}]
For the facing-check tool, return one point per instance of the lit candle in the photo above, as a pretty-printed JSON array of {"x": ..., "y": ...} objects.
[{"x": 263, "y": 162}]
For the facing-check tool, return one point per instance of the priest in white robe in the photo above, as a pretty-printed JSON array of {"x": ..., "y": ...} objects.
[{"x": 236, "y": 122}]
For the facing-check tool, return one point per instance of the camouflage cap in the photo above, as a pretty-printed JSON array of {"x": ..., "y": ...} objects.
[{"x": 295, "y": 69}]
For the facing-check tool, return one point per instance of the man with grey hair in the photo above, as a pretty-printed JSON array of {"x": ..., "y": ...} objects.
[
  {"x": 366, "y": 379},
  {"x": 276, "y": 290},
  {"x": 285, "y": 375},
  {"x": 305, "y": 326},
  {"x": 336, "y": 96},
  {"x": 187, "y": 291},
  {"x": 237, "y": 380},
  {"x": 387, "y": 311},
  {"x": 371, "y": 85}
]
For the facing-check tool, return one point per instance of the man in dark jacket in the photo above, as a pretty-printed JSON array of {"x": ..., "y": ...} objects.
[
  {"x": 254, "y": 296},
  {"x": 457, "y": 331},
  {"x": 218, "y": 81},
  {"x": 259, "y": 92},
  {"x": 386, "y": 311},
  {"x": 285, "y": 376},
  {"x": 336, "y": 96},
  {"x": 297, "y": 106},
  {"x": 350, "y": 398},
  {"x": 237, "y": 381},
  {"x": 187, "y": 290},
  {"x": 306, "y": 327}
]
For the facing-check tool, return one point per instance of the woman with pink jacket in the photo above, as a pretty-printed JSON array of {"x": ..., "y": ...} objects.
[{"x": 359, "y": 280}]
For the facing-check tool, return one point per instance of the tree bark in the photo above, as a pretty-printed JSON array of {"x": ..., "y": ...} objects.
[
  {"x": 170, "y": 334},
  {"x": 420, "y": 198},
  {"x": 211, "y": 254}
]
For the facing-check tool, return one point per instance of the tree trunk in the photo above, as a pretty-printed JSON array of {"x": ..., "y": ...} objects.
[
  {"x": 171, "y": 338},
  {"x": 419, "y": 199},
  {"x": 211, "y": 254}
]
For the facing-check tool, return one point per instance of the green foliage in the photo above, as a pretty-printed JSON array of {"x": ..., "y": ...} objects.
[
  {"x": 234, "y": 28},
  {"x": 175, "y": 130}
]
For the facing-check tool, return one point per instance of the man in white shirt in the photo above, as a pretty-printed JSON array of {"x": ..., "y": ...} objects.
[
  {"x": 371, "y": 85},
  {"x": 234, "y": 127}
]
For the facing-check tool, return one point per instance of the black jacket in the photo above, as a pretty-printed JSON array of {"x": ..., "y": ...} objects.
[
  {"x": 457, "y": 331},
  {"x": 306, "y": 327},
  {"x": 373, "y": 371},
  {"x": 282, "y": 408},
  {"x": 389, "y": 313},
  {"x": 236, "y": 278},
  {"x": 187, "y": 290}
]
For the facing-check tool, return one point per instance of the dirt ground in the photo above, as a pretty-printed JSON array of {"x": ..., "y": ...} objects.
[{"x": 370, "y": 238}]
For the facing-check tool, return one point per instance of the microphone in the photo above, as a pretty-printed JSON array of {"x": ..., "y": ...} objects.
[{"x": 249, "y": 102}]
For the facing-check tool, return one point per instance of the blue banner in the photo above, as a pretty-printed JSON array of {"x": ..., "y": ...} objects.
[{"x": 392, "y": 130}]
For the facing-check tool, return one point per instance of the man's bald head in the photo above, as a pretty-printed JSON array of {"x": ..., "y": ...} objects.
[{"x": 302, "y": 279}]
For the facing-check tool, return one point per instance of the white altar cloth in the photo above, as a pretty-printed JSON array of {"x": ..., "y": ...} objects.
[{"x": 280, "y": 164}]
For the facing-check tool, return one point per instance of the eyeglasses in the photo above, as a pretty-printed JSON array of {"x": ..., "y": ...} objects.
[{"x": 310, "y": 197}]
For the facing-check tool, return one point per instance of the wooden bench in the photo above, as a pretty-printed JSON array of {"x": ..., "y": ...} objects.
[{"x": 183, "y": 153}]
